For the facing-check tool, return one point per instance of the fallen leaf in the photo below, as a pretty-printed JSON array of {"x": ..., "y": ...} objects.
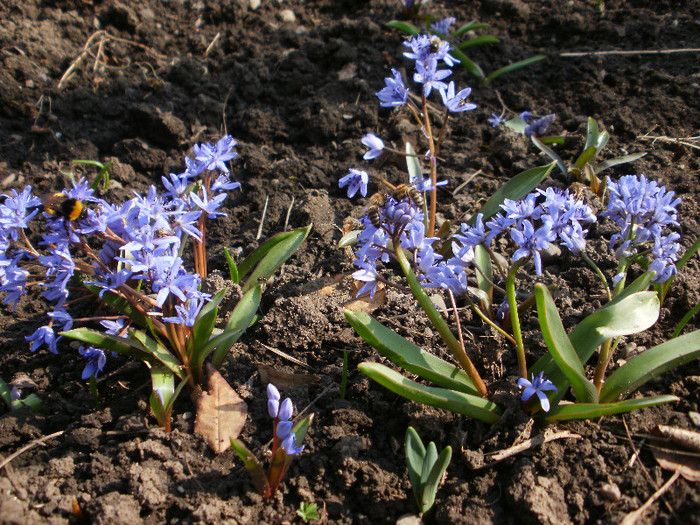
[
  {"x": 284, "y": 380},
  {"x": 221, "y": 412}
]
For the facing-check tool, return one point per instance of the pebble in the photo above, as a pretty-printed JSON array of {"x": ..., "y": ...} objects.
[
  {"x": 287, "y": 16},
  {"x": 695, "y": 418},
  {"x": 254, "y": 4},
  {"x": 611, "y": 491}
]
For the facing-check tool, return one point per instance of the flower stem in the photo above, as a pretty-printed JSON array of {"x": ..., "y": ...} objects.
[
  {"x": 436, "y": 319},
  {"x": 515, "y": 318}
]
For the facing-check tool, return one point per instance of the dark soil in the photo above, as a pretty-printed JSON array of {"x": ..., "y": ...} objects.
[{"x": 294, "y": 83}]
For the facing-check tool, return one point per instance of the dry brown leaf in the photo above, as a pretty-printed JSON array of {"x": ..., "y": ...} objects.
[
  {"x": 221, "y": 412},
  {"x": 688, "y": 465},
  {"x": 284, "y": 380}
]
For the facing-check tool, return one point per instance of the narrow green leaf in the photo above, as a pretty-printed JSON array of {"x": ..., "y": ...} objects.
[
  {"x": 516, "y": 188},
  {"x": 560, "y": 347},
  {"x": 252, "y": 466},
  {"x": 247, "y": 264},
  {"x": 687, "y": 317},
  {"x": 206, "y": 320},
  {"x": 163, "y": 380},
  {"x": 649, "y": 364},
  {"x": 470, "y": 26},
  {"x": 629, "y": 313},
  {"x": 595, "y": 410},
  {"x": 407, "y": 28},
  {"x": 275, "y": 256},
  {"x": 127, "y": 346},
  {"x": 33, "y": 402},
  {"x": 470, "y": 66},
  {"x": 585, "y": 156},
  {"x": 413, "y": 165},
  {"x": 224, "y": 340},
  {"x": 232, "y": 268},
  {"x": 459, "y": 402},
  {"x": 120, "y": 304},
  {"x": 415, "y": 455},
  {"x": 5, "y": 394},
  {"x": 241, "y": 318},
  {"x": 602, "y": 140},
  {"x": 409, "y": 356},
  {"x": 617, "y": 161},
  {"x": 552, "y": 155},
  {"x": 478, "y": 41},
  {"x": 430, "y": 485},
  {"x": 349, "y": 239},
  {"x": 484, "y": 275},
  {"x": 591, "y": 136},
  {"x": 513, "y": 67}
]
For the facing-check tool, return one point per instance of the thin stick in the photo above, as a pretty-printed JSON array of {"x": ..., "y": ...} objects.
[
  {"x": 213, "y": 43},
  {"x": 636, "y": 515},
  {"x": 29, "y": 446},
  {"x": 262, "y": 219},
  {"x": 285, "y": 355},
  {"x": 685, "y": 141},
  {"x": 528, "y": 444},
  {"x": 289, "y": 212},
  {"x": 635, "y": 52}
]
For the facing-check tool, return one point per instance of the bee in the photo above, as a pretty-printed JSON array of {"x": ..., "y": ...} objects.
[
  {"x": 435, "y": 43},
  {"x": 59, "y": 205},
  {"x": 404, "y": 191},
  {"x": 376, "y": 201}
]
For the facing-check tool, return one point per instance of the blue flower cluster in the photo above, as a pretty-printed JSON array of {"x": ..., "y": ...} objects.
[
  {"x": 541, "y": 218},
  {"x": 281, "y": 413},
  {"x": 139, "y": 241},
  {"x": 644, "y": 212}
]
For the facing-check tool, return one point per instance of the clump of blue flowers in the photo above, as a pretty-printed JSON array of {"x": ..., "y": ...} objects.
[
  {"x": 286, "y": 444},
  {"x": 129, "y": 255}
]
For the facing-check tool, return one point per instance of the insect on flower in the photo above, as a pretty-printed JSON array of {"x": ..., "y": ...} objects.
[{"x": 60, "y": 205}]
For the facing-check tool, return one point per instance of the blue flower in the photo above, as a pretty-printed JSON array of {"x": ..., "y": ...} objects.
[
  {"x": 96, "y": 361},
  {"x": 356, "y": 180},
  {"x": 375, "y": 145},
  {"x": 456, "y": 103},
  {"x": 443, "y": 26},
  {"x": 273, "y": 400},
  {"x": 539, "y": 126},
  {"x": 369, "y": 275},
  {"x": 395, "y": 93},
  {"x": 214, "y": 157},
  {"x": 289, "y": 447},
  {"x": 531, "y": 242},
  {"x": 430, "y": 76},
  {"x": 538, "y": 386},
  {"x": 526, "y": 115},
  {"x": 495, "y": 120},
  {"x": 43, "y": 335}
]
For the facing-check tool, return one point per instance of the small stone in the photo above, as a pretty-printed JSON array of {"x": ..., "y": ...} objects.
[
  {"x": 409, "y": 519},
  {"x": 610, "y": 491},
  {"x": 254, "y": 4},
  {"x": 287, "y": 16},
  {"x": 695, "y": 418}
]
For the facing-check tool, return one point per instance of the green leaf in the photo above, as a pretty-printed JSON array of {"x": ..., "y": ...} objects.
[
  {"x": 649, "y": 364},
  {"x": 413, "y": 165},
  {"x": 484, "y": 280},
  {"x": 205, "y": 322},
  {"x": 409, "y": 356},
  {"x": 33, "y": 402},
  {"x": 470, "y": 26},
  {"x": 459, "y": 402},
  {"x": 415, "y": 456},
  {"x": 478, "y": 41},
  {"x": 470, "y": 66},
  {"x": 407, "y": 28},
  {"x": 560, "y": 347},
  {"x": 629, "y": 313},
  {"x": 516, "y": 188},
  {"x": 152, "y": 352},
  {"x": 232, "y": 268},
  {"x": 595, "y": 410},
  {"x": 430, "y": 485},
  {"x": 241, "y": 318},
  {"x": 513, "y": 67},
  {"x": 349, "y": 239},
  {"x": 552, "y": 155},
  {"x": 252, "y": 466},
  {"x": 687, "y": 317},
  {"x": 120, "y": 304},
  {"x": 585, "y": 157},
  {"x": 300, "y": 429},
  {"x": 431, "y": 456},
  {"x": 5, "y": 394},
  {"x": 617, "y": 161},
  {"x": 591, "y": 137},
  {"x": 274, "y": 255}
]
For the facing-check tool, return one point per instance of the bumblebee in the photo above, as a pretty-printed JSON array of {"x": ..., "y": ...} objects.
[
  {"x": 59, "y": 205},
  {"x": 376, "y": 201}
]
